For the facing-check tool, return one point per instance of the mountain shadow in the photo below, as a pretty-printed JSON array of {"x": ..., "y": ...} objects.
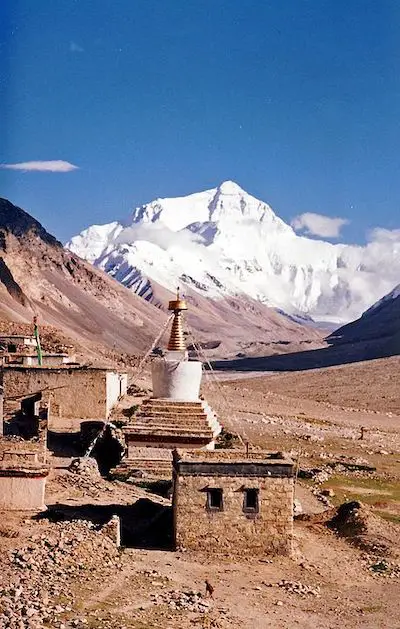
[{"x": 340, "y": 354}]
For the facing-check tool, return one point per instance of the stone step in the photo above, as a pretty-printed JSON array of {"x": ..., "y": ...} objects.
[
  {"x": 170, "y": 430},
  {"x": 169, "y": 421},
  {"x": 174, "y": 410},
  {"x": 168, "y": 400},
  {"x": 141, "y": 463},
  {"x": 163, "y": 421},
  {"x": 150, "y": 452},
  {"x": 152, "y": 468},
  {"x": 162, "y": 413},
  {"x": 172, "y": 404}
]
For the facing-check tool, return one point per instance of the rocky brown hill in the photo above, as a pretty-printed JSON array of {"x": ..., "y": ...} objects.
[{"x": 38, "y": 276}]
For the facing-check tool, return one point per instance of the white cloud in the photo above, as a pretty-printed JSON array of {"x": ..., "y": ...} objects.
[
  {"x": 178, "y": 244},
  {"x": 381, "y": 234},
  {"x": 52, "y": 166},
  {"x": 159, "y": 234},
  {"x": 74, "y": 47},
  {"x": 319, "y": 225}
]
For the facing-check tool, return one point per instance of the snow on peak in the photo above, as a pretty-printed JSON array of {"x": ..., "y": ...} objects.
[
  {"x": 224, "y": 241},
  {"x": 230, "y": 187}
]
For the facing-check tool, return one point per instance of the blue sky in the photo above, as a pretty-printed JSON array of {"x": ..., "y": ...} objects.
[{"x": 297, "y": 101}]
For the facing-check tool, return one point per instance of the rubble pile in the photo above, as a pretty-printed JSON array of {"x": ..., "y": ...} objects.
[
  {"x": 36, "y": 586},
  {"x": 295, "y": 587},
  {"x": 85, "y": 476},
  {"x": 382, "y": 567},
  {"x": 135, "y": 389},
  {"x": 190, "y": 600},
  {"x": 52, "y": 340},
  {"x": 86, "y": 467},
  {"x": 90, "y": 487}
]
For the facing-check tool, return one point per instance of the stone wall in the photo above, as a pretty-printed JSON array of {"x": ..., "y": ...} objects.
[
  {"x": 75, "y": 394},
  {"x": 22, "y": 493},
  {"x": 231, "y": 530}
]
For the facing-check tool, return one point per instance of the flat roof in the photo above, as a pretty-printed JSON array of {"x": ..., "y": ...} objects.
[
  {"x": 17, "y": 336},
  {"x": 231, "y": 455},
  {"x": 61, "y": 368},
  {"x": 232, "y": 463}
]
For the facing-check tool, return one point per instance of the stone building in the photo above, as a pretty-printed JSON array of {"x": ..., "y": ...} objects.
[
  {"x": 23, "y": 461},
  {"x": 227, "y": 502},
  {"x": 73, "y": 394},
  {"x": 175, "y": 416},
  {"x": 16, "y": 342}
]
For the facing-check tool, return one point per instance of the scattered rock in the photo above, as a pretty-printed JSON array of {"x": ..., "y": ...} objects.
[
  {"x": 85, "y": 466},
  {"x": 113, "y": 530},
  {"x": 188, "y": 600},
  {"x": 43, "y": 570},
  {"x": 295, "y": 587}
]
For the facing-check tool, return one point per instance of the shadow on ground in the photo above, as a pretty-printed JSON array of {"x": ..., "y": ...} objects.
[
  {"x": 340, "y": 354},
  {"x": 64, "y": 444},
  {"x": 144, "y": 524}
]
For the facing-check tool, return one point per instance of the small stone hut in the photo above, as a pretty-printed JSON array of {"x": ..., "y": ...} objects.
[
  {"x": 74, "y": 394},
  {"x": 228, "y": 502}
]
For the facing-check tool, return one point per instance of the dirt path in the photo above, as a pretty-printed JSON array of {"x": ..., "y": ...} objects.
[{"x": 246, "y": 594}]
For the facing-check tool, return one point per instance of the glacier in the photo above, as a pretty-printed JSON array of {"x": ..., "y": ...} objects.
[{"x": 224, "y": 242}]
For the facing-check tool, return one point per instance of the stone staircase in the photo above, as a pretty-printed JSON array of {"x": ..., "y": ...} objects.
[
  {"x": 152, "y": 463},
  {"x": 160, "y": 425},
  {"x": 171, "y": 419}
]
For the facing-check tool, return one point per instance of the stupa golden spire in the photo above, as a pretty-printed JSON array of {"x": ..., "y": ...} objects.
[{"x": 176, "y": 341}]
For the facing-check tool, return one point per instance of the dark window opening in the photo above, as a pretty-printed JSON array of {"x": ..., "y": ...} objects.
[
  {"x": 214, "y": 500},
  {"x": 250, "y": 501}
]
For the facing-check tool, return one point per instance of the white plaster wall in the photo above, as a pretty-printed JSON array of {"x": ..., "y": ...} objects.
[
  {"x": 48, "y": 361},
  {"x": 116, "y": 386},
  {"x": 22, "y": 493},
  {"x": 176, "y": 380}
]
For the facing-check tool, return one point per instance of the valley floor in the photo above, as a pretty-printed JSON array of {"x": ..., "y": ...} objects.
[{"x": 317, "y": 416}]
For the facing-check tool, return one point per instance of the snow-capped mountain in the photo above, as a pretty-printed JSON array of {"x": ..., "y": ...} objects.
[{"x": 225, "y": 242}]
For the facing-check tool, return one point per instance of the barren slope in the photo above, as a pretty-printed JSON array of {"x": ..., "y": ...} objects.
[
  {"x": 38, "y": 276},
  {"x": 379, "y": 325},
  {"x": 371, "y": 385}
]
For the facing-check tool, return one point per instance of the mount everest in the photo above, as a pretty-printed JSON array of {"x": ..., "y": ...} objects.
[{"x": 225, "y": 242}]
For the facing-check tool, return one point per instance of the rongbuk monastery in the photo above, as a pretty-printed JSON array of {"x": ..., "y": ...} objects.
[{"x": 224, "y": 500}]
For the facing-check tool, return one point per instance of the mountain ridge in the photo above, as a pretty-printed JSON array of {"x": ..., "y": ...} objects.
[
  {"x": 381, "y": 322},
  {"x": 225, "y": 242},
  {"x": 38, "y": 276}
]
